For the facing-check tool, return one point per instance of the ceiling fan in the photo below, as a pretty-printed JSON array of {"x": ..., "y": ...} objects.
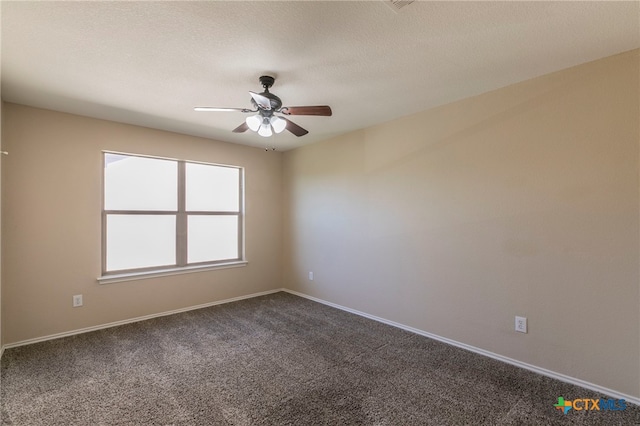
[{"x": 266, "y": 105}]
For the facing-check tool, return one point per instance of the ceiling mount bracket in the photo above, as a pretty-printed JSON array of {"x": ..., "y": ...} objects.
[{"x": 267, "y": 81}]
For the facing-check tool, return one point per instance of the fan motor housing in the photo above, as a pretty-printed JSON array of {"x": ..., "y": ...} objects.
[{"x": 275, "y": 101}]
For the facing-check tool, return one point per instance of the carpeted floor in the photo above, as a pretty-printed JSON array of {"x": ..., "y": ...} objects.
[{"x": 275, "y": 360}]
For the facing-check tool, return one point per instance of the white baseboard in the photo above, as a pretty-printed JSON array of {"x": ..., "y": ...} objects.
[
  {"x": 132, "y": 320},
  {"x": 555, "y": 375}
]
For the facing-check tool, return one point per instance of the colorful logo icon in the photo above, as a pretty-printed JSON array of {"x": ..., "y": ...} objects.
[{"x": 563, "y": 405}]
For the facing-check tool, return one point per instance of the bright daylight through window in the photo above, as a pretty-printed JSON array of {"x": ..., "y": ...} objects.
[{"x": 161, "y": 214}]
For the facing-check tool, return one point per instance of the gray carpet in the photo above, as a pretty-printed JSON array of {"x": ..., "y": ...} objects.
[{"x": 275, "y": 360}]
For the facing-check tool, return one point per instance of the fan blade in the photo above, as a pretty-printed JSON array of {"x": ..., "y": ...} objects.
[
  {"x": 221, "y": 109},
  {"x": 294, "y": 128},
  {"x": 323, "y": 110},
  {"x": 241, "y": 128},
  {"x": 262, "y": 101}
]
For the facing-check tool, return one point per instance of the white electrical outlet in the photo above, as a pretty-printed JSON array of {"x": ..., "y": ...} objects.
[
  {"x": 310, "y": 276},
  {"x": 77, "y": 300},
  {"x": 521, "y": 324}
]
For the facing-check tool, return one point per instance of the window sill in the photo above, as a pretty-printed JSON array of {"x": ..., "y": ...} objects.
[{"x": 131, "y": 276}]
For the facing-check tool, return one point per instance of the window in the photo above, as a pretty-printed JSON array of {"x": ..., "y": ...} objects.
[{"x": 163, "y": 214}]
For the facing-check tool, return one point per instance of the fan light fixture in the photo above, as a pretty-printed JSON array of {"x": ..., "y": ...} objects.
[
  {"x": 278, "y": 124},
  {"x": 254, "y": 122},
  {"x": 265, "y": 129},
  {"x": 266, "y": 126}
]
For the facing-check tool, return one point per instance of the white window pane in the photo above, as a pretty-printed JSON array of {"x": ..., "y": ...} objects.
[
  {"x": 140, "y": 241},
  {"x": 139, "y": 183},
  {"x": 212, "y": 188},
  {"x": 212, "y": 238}
]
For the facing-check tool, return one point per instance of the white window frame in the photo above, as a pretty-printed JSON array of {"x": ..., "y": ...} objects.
[{"x": 182, "y": 215}]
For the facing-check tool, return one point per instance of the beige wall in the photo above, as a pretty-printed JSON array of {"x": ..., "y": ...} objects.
[
  {"x": 522, "y": 201},
  {"x": 51, "y": 189}
]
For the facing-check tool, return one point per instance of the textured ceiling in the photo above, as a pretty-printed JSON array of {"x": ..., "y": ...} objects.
[{"x": 150, "y": 63}]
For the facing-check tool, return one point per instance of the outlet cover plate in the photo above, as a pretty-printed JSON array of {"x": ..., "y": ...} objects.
[
  {"x": 77, "y": 300},
  {"x": 521, "y": 324}
]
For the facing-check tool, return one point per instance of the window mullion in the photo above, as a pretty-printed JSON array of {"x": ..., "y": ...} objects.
[{"x": 181, "y": 219}]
